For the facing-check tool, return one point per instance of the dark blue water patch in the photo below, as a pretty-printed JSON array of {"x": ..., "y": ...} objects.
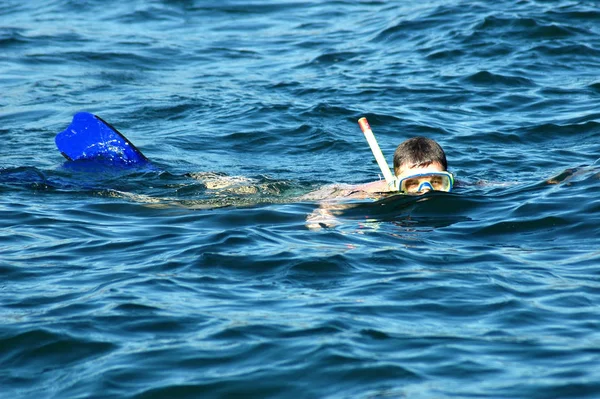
[
  {"x": 585, "y": 13},
  {"x": 487, "y": 78},
  {"x": 567, "y": 52},
  {"x": 30, "y": 177},
  {"x": 544, "y": 228},
  {"x": 433, "y": 209}
]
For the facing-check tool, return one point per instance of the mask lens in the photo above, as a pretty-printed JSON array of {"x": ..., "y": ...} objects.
[{"x": 439, "y": 181}]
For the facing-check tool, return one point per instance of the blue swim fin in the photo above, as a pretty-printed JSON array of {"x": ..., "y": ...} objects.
[{"x": 88, "y": 137}]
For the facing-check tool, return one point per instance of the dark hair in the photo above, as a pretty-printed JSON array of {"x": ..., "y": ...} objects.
[{"x": 419, "y": 151}]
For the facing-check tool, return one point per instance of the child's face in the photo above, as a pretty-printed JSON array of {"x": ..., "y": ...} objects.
[{"x": 423, "y": 182}]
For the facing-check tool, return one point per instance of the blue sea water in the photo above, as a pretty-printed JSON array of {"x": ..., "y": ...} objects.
[{"x": 150, "y": 283}]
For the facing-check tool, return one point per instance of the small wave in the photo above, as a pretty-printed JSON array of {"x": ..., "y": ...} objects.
[
  {"x": 172, "y": 108},
  {"x": 118, "y": 60},
  {"x": 10, "y": 37},
  {"x": 545, "y": 226},
  {"x": 554, "y": 131},
  {"x": 151, "y": 14},
  {"x": 332, "y": 58},
  {"x": 321, "y": 109},
  {"x": 445, "y": 54},
  {"x": 525, "y": 28},
  {"x": 406, "y": 29},
  {"x": 241, "y": 8},
  {"x": 576, "y": 51},
  {"x": 220, "y": 53},
  {"x": 40, "y": 350}
]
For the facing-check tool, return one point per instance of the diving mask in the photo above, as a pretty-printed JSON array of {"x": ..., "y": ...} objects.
[{"x": 438, "y": 181}]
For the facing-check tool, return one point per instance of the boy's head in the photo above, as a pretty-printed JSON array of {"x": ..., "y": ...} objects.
[
  {"x": 419, "y": 155},
  {"x": 420, "y": 165}
]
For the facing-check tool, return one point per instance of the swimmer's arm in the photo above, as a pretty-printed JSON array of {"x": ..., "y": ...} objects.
[
  {"x": 324, "y": 215},
  {"x": 379, "y": 186}
]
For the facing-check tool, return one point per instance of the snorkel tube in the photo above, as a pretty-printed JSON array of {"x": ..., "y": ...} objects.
[{"x": 385, "y": 169}]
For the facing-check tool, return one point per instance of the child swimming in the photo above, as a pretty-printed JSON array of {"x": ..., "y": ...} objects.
[{"x": 420, "y": 166}]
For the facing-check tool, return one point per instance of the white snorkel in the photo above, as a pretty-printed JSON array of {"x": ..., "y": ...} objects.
[{"x": 385, "y": 169}]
